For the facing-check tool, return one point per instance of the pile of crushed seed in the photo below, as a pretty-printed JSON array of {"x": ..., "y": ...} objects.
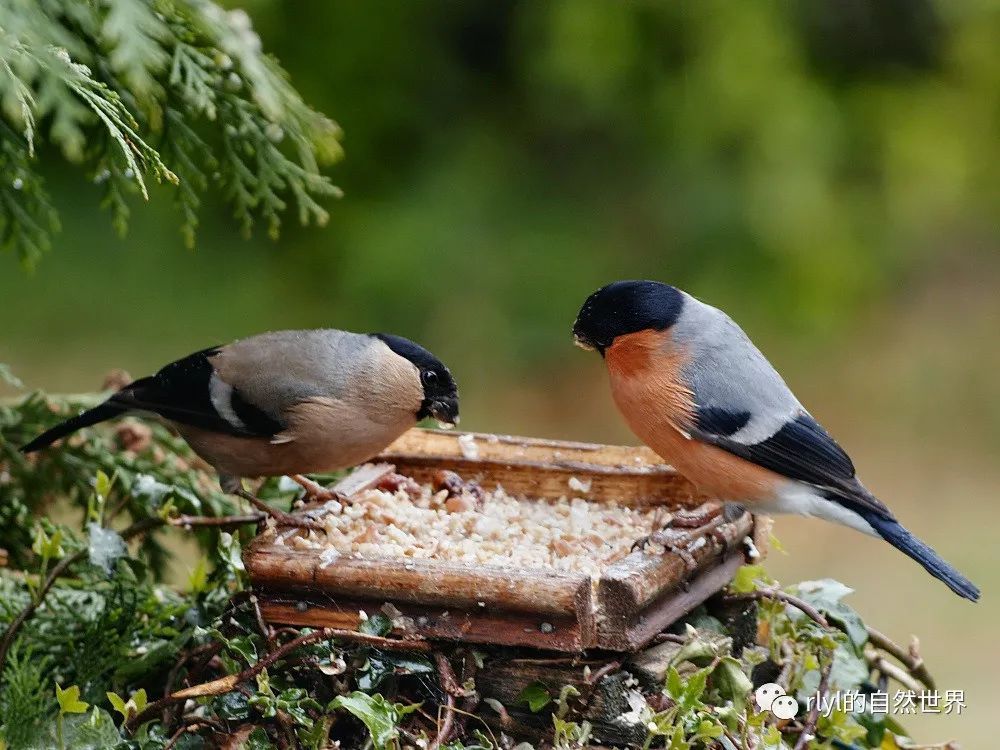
[{"x": 456, "y": 521}]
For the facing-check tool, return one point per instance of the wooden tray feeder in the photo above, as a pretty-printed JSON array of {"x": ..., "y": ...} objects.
[{"x": 622, "y": 609}]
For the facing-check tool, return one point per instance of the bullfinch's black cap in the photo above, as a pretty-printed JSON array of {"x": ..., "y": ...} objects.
[
  {"x": 625, "y": 307},
  {"x": 440, "y": 390}
]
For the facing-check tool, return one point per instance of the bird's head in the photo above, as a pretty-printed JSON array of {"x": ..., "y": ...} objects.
[
  {"x": 440, "y": 392},
  {"x": 625, "y": 307}
]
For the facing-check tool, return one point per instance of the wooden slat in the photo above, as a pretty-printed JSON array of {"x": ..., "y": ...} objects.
[
  {"x": 444, "y": 444},
  {"x": 543, "y": 468},
  {"x": 445, "y": 584},
  {"x": 558, "y": 633}
]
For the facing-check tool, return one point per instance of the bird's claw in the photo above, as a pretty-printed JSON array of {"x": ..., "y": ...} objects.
[
  {"x": 281, "y": 518},
  {"x": 290, "y": 519},
  {"x": 317, "y": 493},
  {"x": 684, "y": 529},
  {"x": 676, "y": 542}
]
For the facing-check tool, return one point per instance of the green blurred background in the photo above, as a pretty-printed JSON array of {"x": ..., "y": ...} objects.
[{"x": 824, "y": 170}]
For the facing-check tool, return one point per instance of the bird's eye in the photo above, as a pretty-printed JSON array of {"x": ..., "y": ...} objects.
[{"x": 429, "y": 377}]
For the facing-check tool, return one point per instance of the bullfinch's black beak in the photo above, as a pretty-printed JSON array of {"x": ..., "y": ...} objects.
[{"x": 444, "y": 410}]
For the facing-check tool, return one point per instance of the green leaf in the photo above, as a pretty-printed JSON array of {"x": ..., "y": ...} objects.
[
  {"x": 694, "y": 688},
  {"x": 117, "y": 704},
  {"x": 375, "y": 712},
  {"x": 536, "y": 696},
  {"x": 731, "y": 681},
  {"x": 96, "y": 731},
  {"x": 747, "y": 577},
  {"x": 382, "y": 665},
  {"x": 198, "y": 578},
  {"x": 49, "y": 547},
  {"x": 847, "y": 673},
  {"x": 257, "y": 740},
  {"x": 378, "y": 624},
  {"x": 102, "y": 484},
  {"x": 69, "y": 700},
  {"x": 826, "y": 595},
  {"x": 675, "y": 685}
]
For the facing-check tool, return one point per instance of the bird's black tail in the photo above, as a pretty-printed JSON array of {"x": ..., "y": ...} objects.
[
  {"x": 898, "y": 536},
  {"x": 99, "y": 413}
]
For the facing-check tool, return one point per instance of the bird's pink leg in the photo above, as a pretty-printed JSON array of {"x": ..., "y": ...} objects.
[
  {"x": 315, "y": 492},
  {"x": 695, "y": 518},
  {"x": 683, "y": 529},
  {"x": 281, "y": 517}
]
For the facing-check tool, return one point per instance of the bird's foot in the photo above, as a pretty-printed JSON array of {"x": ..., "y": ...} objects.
[
  {"x": 317, "y": 493},
  {"x": 683, "y": 531},
  {"x": 280, "y": 517},
  {"x": 697, "y": 517},
  {"x": 676, "y": 542}
]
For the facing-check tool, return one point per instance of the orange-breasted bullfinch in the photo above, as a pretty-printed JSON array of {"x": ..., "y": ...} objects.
[
  {"x": 287, "y": 403},
  {"x": 693, "y": 387}
]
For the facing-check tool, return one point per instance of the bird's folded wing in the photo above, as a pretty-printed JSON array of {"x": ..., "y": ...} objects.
[
  {"x": 801, "y": 450},
  {"x": 190, "y": 392}
]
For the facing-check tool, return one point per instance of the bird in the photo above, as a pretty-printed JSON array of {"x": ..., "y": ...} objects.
[
  {"x": 287, "y": 403},
  {"x": 694, "y": 388}
]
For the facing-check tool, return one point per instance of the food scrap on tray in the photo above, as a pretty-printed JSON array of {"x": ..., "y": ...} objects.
[{"x": 454, "y": 520}]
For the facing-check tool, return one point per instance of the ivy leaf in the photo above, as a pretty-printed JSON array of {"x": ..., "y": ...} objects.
[
  {"x": 132, "y": 706},
  {"x": 675, "y": 685},
  {"x": 694, "y": 688},
  {"x": 747, "y": 578},
  {"x": 378, "y": 624},
  {"x": 231, "y": 554},
  {"x": 731, "y": 681},
  {"x": 536, "y": 696},
  {"x": 48, "y": 547},
  {"x": 69, "y": 700},
  {"x": 826, "y": 595},
  {"x": 95, "y": 731},
  {"x": 117, "y": 703},
  {"x": 375, "y": 712}
]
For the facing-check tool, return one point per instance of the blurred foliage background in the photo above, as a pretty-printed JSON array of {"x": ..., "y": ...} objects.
[{"x": 826, "y": 171}]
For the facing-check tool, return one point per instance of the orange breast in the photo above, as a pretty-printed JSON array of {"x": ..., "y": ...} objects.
[{"x": 648, "y": 388}]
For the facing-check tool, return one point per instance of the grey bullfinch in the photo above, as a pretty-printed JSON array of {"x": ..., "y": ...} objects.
[
  {"x": 695, "y": 389},
  {"x": 287, "y": 403}
]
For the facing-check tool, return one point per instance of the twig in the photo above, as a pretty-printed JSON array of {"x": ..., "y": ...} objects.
[
  {"x": 782, "y": 596},
  {"x": 471, "y": 702},
  {"x": 186, "y": 522},
  {"x": 229, "y": 683},
  {"x": 909, "y": 658},
  {"x": 174, "y": 737},
  {"x": 809, "y": 728},
  {"x": 787, "y": 664},
  {"x": 449, "y": 682},
  {"x": 259, "y": 618},
  {"x": 190, "y": 724},
  {"x": 595, "y": 677},
  {"x": 876, "y": 660},
  {"x": 449, "y": 718}
]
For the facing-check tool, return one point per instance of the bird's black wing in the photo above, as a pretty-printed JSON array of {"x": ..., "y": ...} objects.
[
  {"x": 181, "y": 392},
  {"x": 801, "y": 450}
]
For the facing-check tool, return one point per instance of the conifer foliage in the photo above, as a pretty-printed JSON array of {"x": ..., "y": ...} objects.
[{"x": 141, "y": 91}]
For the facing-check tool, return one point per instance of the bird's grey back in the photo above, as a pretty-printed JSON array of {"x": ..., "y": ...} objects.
[
  {"x": 726, "y": 371},
  {"x": 277, "y": 369}
]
